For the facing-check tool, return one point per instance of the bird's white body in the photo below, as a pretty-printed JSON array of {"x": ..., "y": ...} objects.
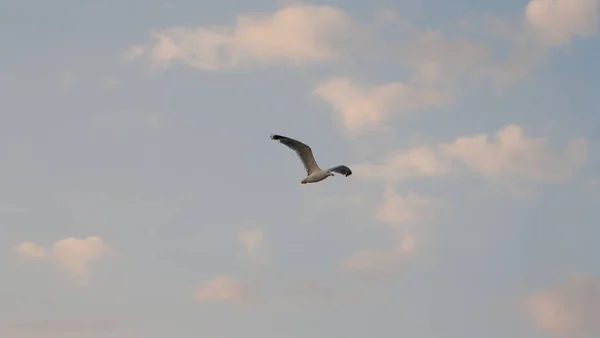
[
  {"x": 313, "y": 172},
  {"x": 316, "y": 177}
]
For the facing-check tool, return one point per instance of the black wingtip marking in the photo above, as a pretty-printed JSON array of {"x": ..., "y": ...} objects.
[{"x": 276, "y": 137}]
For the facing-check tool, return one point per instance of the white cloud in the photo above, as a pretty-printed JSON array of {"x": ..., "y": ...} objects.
[
  {"x": 571, "y": 309},
  {"x": 222, "y": 288},
  {"x": 253, "y": 242},
  {"x": 292, "y": 36},
  {"x": 363, "y": 107},
  {"x": 73, "y": 254},
  {"x": 558, "y": 21},
  {"x": 509, "y": 155}
]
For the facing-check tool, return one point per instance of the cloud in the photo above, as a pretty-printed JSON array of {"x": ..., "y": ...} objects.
[
  {"x": 224, "y": 289},
  {"x": 438, "y": 59},
  {"x": 375, "y": 263},
  {"x": 419, "y": 161},
  {"x": 304, "y": 34},
  {"x": 558, "y": 21},
  {"x": 292, "y": 36},
  {"x": 570, "y": 309},
  {"x": 512, "y": 154},
  {"x": 73, "y": 254},
  {"x": 396, "y": 209},
  {"x": 506, "y": 156},
  {"x": 402, "y": 164},
  {"x": 547, "y": 24},
  {"x": 32, "y": 251},
  {"x": 363, "y": 107},
  {"x": 76, "y": 254},
  {"x": 134, "y": 52},
  {"x": 253, "y": 242}
]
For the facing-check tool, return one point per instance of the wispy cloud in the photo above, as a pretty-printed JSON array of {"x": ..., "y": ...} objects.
[
  {"x": 363, "y": 107},
  {"x": 571, "y": 309},
  {"x": 223, "y": 289},
  {"x": 377, "y": 263},
  {"x": 397, "y": 210},
  {"x": 254, "y": 246},
  {"x": 559, "y": 21}
]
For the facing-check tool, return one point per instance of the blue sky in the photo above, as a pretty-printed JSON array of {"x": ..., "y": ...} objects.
[{"x": 142, "y": 197}]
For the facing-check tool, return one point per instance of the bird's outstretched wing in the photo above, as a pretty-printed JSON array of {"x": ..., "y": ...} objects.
[
  {"x": 303, "y": 151},
  {"x": 341, "y": 169}
]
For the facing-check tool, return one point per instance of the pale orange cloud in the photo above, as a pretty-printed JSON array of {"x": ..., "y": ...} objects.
[
  {"x": 512, "y": 154},
  {"x": 507, "y": 155},
  {"x": 303, "y": 34},
  {"x": 224, "y": 289},
  {"x": 571, "y": 309},
  {"x": 291, "y": 36},
  {"x": 73, "y": 254},
  {"x": 32, "y": 251}
]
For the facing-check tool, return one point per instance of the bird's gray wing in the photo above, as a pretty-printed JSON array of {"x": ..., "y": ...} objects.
[
  {"x": 303, "y": 151},
  {"x": 341, "y": 169}
]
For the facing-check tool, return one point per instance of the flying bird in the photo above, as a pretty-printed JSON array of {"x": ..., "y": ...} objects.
[{"x": 313, "y": 172}]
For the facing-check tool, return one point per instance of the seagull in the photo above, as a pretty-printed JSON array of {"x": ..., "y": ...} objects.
[{"x": 313, "y": 172}]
